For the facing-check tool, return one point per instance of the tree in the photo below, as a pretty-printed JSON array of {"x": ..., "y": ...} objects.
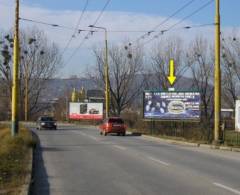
[
  {"x": 166, "y": 49},
  {"x": 230, "y": 69},
  {"x": 125, "y": 68},
  {"x": 39, "y": 61},
  {"x": 202, "y": 65}
]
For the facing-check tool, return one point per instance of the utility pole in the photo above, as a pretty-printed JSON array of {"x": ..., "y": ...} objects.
[
  {"x": 106, "y": 75},
  {"x": 66, "y": 99},
  {"x": 106, "y": 72},
  {"x": 15, "y": 74},
  {"x": 217, "y": 76}
]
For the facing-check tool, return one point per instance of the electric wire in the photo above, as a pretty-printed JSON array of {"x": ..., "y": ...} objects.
[
  {"x": 76, "y": 29},
  {"x": 180, "y": 21},
  {"x": 119, "y": 31},
  {"x": 166, "y": 20},
  {"x": 161, "y": 32},
  {"x": 87, "y": 35},
  {"x": 45, "y": 23}
]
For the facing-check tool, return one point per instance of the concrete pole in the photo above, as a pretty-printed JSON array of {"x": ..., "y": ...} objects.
[
  {"x": 26, "y": 93},
  {"x": 107, "y": 97},
  {"x": 15, "y": 74},
  {"x": 217, "y": 76}
]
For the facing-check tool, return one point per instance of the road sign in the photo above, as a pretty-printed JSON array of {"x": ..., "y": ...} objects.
[{"x": 171, "y": 105}]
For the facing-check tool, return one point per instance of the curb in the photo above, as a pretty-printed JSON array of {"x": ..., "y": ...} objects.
[
  {"x": 225, "y": 148},
  {"x": 176, "y": 142},
  {"x": 236, "y": 149}
]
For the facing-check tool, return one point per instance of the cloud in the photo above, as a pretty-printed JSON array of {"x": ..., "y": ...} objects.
[{"x": 113, "y": 21}]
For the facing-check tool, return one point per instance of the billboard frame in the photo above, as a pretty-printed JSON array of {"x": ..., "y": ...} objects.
[
  {"x": 84, "y": 108},
  {"x": 197, "y": 120}
]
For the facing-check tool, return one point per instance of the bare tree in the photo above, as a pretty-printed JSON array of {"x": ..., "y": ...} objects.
[
  {"x": 201, "y": 65},
  {"x": 230, "y": 69},
  {"x": 39, "y": 61},
  {"x": 125, "y": 68},
  {"x": 166, "y": 49}
]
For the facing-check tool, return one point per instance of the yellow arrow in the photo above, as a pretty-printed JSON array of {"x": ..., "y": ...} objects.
[{"x": 171, "y": 77}]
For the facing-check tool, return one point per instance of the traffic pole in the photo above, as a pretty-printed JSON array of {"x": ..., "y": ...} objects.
[
  {"x": 217, "y": 76},
  {"x": 14, "y": 129}
]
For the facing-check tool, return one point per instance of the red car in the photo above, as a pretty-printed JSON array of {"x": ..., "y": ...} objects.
[{"x": 113, "y": 125}]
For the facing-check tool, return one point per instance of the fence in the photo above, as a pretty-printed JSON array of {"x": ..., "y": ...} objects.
[{"x": 232, "y": 138}]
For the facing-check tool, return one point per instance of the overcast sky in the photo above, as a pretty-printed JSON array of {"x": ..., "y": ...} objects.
[{"x": 120, "y": 15}]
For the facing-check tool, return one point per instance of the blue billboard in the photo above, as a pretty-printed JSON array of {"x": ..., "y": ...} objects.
[{"x": 171, "y": 105}]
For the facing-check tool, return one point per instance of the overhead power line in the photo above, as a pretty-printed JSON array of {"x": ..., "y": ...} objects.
[
  {"x": 109, "y": 31},
  {"x": 180, "y": 21},
  {"x": 167, "y": 19},
  {"x": 89, "y": 33},
  {"x": 45, "y": 23},
  {"x": 76, "y": 29},
  {"x": 54, "y": 25}
]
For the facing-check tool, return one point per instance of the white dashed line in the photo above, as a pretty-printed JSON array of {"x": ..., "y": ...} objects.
[
  {"x": 120, "y": 147},
  {"x": 227, "y": 188},
  {"x": 92, "y": 137},
  {"x": 158, "y": 161},
  {"x": 81, "y": 133},
  {"x": 108, "y": 143}
]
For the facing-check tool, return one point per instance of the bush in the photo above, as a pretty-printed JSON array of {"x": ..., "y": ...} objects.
[{"x": 195, "y": 131}]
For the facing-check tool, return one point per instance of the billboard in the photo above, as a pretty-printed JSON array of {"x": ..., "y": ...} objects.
[
  {"x": 171, "y": 105},
  {"x": 82, "y": 110}
]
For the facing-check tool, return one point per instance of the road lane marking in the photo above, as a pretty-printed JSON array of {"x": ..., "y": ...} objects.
[
  {"x": 158, "y": 161},
  {"x": 120, "y": 147},
  {"x": 227, "y": 188},
  {"x": 107, "y": 143},
  {"x": 92, "y": 137},
  {"x": 81, "y": 133}
]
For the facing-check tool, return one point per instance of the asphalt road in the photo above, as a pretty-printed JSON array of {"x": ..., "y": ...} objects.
[{"x": 78, "y": 161}]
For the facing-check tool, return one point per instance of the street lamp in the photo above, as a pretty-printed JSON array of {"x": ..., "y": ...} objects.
[{"x": 107, "y": 97}]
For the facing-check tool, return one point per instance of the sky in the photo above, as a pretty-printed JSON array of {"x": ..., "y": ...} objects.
[{"x": 119, "y": 15}]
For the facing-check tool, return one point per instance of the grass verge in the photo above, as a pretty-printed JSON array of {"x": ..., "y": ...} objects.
[{"x": 14, "y": 159}]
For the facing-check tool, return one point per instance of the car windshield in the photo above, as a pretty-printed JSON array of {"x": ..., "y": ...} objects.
[
  {"x": 116, "y": 120},
  {"x": 46, "y": 119}
]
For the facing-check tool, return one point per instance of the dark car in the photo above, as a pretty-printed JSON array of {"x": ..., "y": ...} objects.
[
  {"x": 93, "y": 111},
  {"x": 46, "y": 122},
  {"x": 113, "y": 125}
]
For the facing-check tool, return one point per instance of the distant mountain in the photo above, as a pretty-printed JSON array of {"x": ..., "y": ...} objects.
[{"x": 56, "y": 88}]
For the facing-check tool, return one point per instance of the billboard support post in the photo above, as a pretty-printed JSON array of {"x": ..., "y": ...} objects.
[{"x": 151, "y": 126}]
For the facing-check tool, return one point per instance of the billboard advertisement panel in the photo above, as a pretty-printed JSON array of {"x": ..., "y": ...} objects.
[
  {"x": 171, "y": 105},
  {"x": 82, "y": 110}
]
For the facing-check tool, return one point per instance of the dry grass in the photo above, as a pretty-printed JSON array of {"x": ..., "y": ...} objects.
[{"x": 14, "y": 158}]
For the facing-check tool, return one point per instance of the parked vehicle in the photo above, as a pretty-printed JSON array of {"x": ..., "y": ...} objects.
[
  {"x": 113, "y": 125},
  {"x": 46, "y": 122}
]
